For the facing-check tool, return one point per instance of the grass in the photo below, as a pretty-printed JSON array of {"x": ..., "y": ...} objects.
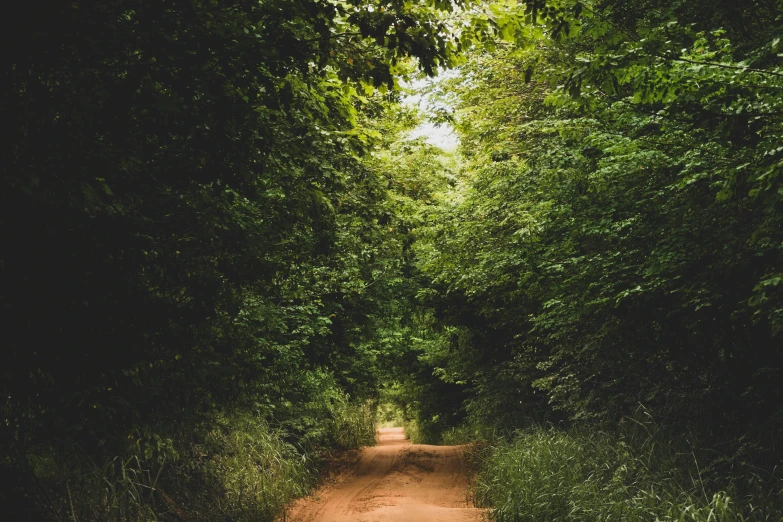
[
  {"x": 116, "y": 490},
  {"x": 241, "y": 470},
  {"x": 552, "y": 475},
  {"x": 352, "y": 425},
  {"x": 466, "y": 434},
  {"x": 253, "y": 473}
]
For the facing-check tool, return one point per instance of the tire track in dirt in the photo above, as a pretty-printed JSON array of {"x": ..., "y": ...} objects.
[{"x": 396, "y": 481}]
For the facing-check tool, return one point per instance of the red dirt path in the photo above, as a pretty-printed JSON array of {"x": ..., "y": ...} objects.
[{"x": 395, "y": 481}]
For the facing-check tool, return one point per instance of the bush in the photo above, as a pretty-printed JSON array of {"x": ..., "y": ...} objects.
[
  {"x": 252, "y": 472},
  {"x": 390, "y": 415},
  {"x": 241, "y": 470},
  {"x": 327, "y": 418},
  {"x": 549, "y": 474},
  {"x": 47, "y": 484},
  {"x": 352, "y": 424}
]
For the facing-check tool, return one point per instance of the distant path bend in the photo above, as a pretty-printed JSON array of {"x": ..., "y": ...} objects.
[{"x": 396, "y": 481}]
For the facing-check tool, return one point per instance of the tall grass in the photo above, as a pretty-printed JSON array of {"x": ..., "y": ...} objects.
[
  {"x": 241, "y": 470},
  {"x": 413, "y": 433},
  {"x": 352, "y": 424},
  {"x": 422, "y": 432},
  {"x": 466, "y": 434},
  {"x": 252, "y": 472},
  {"x": 552, "y": 475},
  {"x": 115, "y": 490}
]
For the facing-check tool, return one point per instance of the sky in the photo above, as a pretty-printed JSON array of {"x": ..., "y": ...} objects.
[{"x": 442, "y": 136}]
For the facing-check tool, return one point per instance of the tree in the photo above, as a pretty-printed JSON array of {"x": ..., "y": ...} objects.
[{"x": 614, "y": 242}]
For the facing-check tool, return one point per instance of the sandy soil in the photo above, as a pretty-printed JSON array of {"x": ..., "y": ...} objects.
[{"x": 395, "y": 481}]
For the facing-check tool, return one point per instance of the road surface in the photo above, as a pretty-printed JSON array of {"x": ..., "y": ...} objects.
[{"x": 395, "y": 481}]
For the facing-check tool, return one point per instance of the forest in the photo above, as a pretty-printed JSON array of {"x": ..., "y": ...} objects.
[{"x": 226, "y": 255}]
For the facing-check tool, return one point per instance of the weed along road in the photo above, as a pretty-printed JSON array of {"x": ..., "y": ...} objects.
[{"x": 396, "y": 481}]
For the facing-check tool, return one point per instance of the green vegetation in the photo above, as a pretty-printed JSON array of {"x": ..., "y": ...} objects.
[
  {"x": 241, "y": 471},
  {"x": 200, "y": 255},
  {"x": 222, "y": 250},
  {"x": 552, "y": 475},
  {"x": 613, "y": 240}
]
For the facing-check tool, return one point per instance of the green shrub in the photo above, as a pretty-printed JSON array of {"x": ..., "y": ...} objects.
[
  {"x": 465, "y": 434},
  {"x": 389, "y": 415},
  {"x": 419, "y": 431},
  {"x": 352, "y": 424},
  {"x": 253, "y": 471},
  {"x": 78, "y": 489},
  {"x": 413, "y": 433},
  {"x": 241, "y": 470},
  {"x": 552, "y": 475},
  {"x": 328, "y": 418}
]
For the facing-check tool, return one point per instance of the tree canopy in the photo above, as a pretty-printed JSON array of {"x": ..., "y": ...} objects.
[{"x": 215, "y": 209}]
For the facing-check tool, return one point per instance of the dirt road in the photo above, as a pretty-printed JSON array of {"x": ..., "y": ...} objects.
[{"x": 395, "y": 481}]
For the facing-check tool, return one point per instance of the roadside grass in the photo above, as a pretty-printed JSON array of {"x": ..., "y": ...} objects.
[
  {"x": 547, "y": 474},
  {"x": 251, "y": 473},
  {"x": 352, "y": 425},
  {"x": 241, "y": 470},
  {"x": 117, "y": 489},
  {"x": 417, "y": 435},
  {"x": 466, "y": 434}
]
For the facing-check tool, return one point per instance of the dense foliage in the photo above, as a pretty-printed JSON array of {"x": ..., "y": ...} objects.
[
  {"x": 221, "y": 247},
  {"x": 616, "y": 237},
  {"x": 193, "y": 233},
  {"x": 554, "y": 475},
  {"x": 615, "y": 241}
]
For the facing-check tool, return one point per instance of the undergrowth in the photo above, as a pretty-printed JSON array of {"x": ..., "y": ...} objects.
[
  {"x": 554, "y": 475},
  {"x": 352, "y": 425},
  {"x": 389, "y": 415},
  {"x": 413, "y": 433},
  {"x": 241, "y": 469},
  {"x": 252, "y": 473}
]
